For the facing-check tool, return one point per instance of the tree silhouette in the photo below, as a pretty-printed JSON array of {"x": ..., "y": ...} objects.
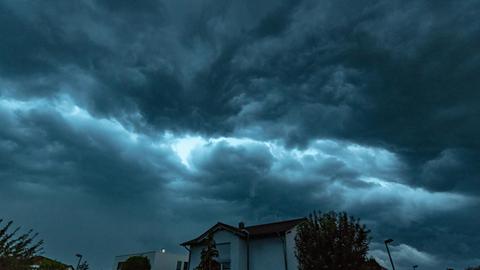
[
  {"x": 17, "y": 251},
  {"x": 372, "y": 264},
  {"x": 84, "y": 266},
  {"x": 136, "y": 263},
  {"x": 208, "y": 255},
  {"x": 333, "y": 241}
]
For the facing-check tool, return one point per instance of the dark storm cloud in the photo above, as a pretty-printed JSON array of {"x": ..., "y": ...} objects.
[
  {"x": 365, "y": 106},
  {"x": 453, "y": 169},
  {"x": 336, "y": 70},
  {"x": 60, "y": 151},
  {"x": 323, "y": 175},
  {"x": 36, "y": 42},
  {"x": 403, "y": 79}
]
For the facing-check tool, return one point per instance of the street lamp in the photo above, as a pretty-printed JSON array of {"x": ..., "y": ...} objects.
[
  {"x": 79, "y": 260},
  {"x": 388, "y": 241}
]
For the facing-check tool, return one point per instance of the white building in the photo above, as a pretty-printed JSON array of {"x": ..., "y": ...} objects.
[
  {"x": 159, "y": 260},
  {"x": 259, "y": 247}
]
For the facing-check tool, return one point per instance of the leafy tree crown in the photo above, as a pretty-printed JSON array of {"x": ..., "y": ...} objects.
[{"x": 333, "y": 241}]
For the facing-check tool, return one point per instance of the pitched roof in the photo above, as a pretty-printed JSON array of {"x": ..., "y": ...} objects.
[
  {"x": 217, "y": 227},
  {"x": 255, "y": 231},
  {"x": 273, "y": 228}
]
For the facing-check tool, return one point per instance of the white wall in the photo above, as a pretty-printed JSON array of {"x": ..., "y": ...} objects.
[
  {"x": 168, "y": 261},
  {"x": 195, "y": 253},
  {"x": 266, "y": 254},
  {"x": 292, "y": 261},
  {"x": 242, "y": 255}
]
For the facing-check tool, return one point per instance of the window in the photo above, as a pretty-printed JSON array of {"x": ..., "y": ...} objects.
[
  {"x": 225, "y": 266},
  {"x": 224, "y": 255},
  {"x": 179, "y": 265},
  {"x": 185, "y": 265},
  {"x": 223, "y": 252}
]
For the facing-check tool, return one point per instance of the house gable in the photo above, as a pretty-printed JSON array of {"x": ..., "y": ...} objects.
[
  {"x": 258, "y": 247},
  {"x": 215, "y": 228}
]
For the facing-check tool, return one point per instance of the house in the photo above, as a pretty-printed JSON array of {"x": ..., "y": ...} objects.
[
  {"x": 47, "y": 263},
  {"x": 159, "y": 260},
  {"x": 258, "y": 247}
]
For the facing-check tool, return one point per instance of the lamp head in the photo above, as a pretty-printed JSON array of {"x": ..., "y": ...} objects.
[
  {"x": 388, "y": 241},
  {"x": 78, "y": 255}
]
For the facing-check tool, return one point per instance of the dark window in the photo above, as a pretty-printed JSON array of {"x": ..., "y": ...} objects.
[
  {"x": 225, "y": 266},
  {"x": 179, "y": 265},
  {"x": 185, "y": 265}
]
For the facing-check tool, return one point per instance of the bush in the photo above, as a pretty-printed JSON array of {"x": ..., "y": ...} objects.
[{"x": 136, "y": 263}]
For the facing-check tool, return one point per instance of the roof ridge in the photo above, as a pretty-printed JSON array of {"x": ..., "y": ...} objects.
[
  {"x": 276, "y": 222},
  {"x": 203, "y": 235}
]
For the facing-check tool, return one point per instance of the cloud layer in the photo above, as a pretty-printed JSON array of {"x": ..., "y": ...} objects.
[{"x": 120, "y": 118}]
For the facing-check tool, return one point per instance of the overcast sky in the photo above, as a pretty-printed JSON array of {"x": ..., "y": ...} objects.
[{"x": 135, "y": 125}]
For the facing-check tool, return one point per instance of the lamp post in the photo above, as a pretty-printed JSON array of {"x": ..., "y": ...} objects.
[
  {"x": 79, "y": 260},
  {"x": 388, "y": 241}
]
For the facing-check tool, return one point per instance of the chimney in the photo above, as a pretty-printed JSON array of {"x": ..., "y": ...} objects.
[{"x": 241, "y": 225}]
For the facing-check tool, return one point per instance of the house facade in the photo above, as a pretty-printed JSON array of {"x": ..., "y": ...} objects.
[
  {"x": 159, "y": 260},
  {"x": 258, "y": 247}
]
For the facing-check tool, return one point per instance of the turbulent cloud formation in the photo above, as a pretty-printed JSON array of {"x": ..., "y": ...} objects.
[{"x": 133, "y": 126}]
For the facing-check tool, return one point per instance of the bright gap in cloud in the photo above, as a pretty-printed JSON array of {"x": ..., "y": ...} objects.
[{"x": 184, "y": 146}]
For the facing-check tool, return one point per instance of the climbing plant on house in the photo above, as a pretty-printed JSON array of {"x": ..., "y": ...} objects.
[{"x": 208, "y": 256}]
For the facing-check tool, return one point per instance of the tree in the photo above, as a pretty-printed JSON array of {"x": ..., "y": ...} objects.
[
  {"x": 136, "y": 263},
  {"x": 17, "y": 251},
  {"x": 333, "y": 241},
  {"x": 84, "y": 266},
  {"x": 208, "y": 255},
  {"x": 473, "y": 268},
  {"x": 372, "y": 264}
]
